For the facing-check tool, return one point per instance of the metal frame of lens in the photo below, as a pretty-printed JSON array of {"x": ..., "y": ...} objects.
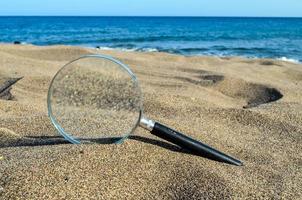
[{"x": 61, "y": 130}]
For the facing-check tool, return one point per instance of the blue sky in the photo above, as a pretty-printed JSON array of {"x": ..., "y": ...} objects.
[{"x": 290, "y": 8}]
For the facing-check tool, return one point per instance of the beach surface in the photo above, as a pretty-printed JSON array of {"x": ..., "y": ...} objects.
[{"x": 248, "y": 108}]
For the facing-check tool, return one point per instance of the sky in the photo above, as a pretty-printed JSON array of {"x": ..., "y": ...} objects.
[{"x": 258, "y": 8}]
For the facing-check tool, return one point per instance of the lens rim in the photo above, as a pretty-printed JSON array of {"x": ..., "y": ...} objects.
[{"x": 57, "y": 125}]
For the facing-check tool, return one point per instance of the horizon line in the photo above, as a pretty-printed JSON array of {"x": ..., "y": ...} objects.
[{"x": 184, "y": 16}]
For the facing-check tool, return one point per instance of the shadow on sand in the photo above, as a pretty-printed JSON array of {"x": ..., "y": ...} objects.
[{"x": 58, "y": 140}]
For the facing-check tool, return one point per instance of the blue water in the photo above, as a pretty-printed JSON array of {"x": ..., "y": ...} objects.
[{"x": 249, "y": 37}]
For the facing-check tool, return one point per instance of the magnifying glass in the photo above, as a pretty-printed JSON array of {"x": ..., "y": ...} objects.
[{"x": 97, "y": 98}]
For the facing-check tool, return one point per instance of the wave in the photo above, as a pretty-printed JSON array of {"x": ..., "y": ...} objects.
[
  {"x": 224, "y": 48},
  {"x": 144, "y": 49},
  {"x": 212, "y": 51},
  {"x": 291, "y": 60},
  {"x": 166, "y": 38},
  {"x": 191, "y": 50},
  {"x": 216, "y": 50}
]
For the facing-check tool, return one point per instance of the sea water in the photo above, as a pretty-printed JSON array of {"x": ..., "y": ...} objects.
[{"x": 279, "y": 38}]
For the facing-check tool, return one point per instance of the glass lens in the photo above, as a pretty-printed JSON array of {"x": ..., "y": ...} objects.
[{"x": 95, "y": 98}]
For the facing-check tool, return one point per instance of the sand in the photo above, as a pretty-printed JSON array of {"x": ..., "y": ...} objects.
[{"x": 248, "y": 108}]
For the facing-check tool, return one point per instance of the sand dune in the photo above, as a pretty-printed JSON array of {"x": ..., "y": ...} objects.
[{"x": 249, "y": 108}]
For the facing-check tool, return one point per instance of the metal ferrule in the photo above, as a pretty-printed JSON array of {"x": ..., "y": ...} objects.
[{"x": 147, "y": 123}]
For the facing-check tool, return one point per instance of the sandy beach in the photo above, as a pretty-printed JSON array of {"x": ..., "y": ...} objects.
[{"x": 248, "y": 108}]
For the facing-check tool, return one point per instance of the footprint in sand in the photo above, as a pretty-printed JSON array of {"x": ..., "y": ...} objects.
[
  {"x": 201, "y": 77},
  {"x": 6, "y": 86},
  {"x": 252, "y": 93}
]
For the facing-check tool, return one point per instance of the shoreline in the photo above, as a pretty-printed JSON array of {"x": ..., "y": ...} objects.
[{"x": 154, "y": 50}]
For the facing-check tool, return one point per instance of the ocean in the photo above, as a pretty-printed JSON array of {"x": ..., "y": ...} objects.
[{"x": 278, "y": 38}]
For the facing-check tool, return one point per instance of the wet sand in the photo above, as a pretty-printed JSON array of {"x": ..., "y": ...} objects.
[{"x": 248, "y": 108}]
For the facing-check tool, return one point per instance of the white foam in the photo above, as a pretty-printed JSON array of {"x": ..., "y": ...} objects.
[
  {"x": 119, "y": 49},
  {"x": 128, "y": 49},
  {"x": 104, "y": 48},
  {"x": 288, "y": 60},
  {"x": 150, "y": 50}
]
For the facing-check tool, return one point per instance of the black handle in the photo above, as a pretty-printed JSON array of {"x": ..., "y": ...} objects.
[{"x": 192, "y": 145}]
